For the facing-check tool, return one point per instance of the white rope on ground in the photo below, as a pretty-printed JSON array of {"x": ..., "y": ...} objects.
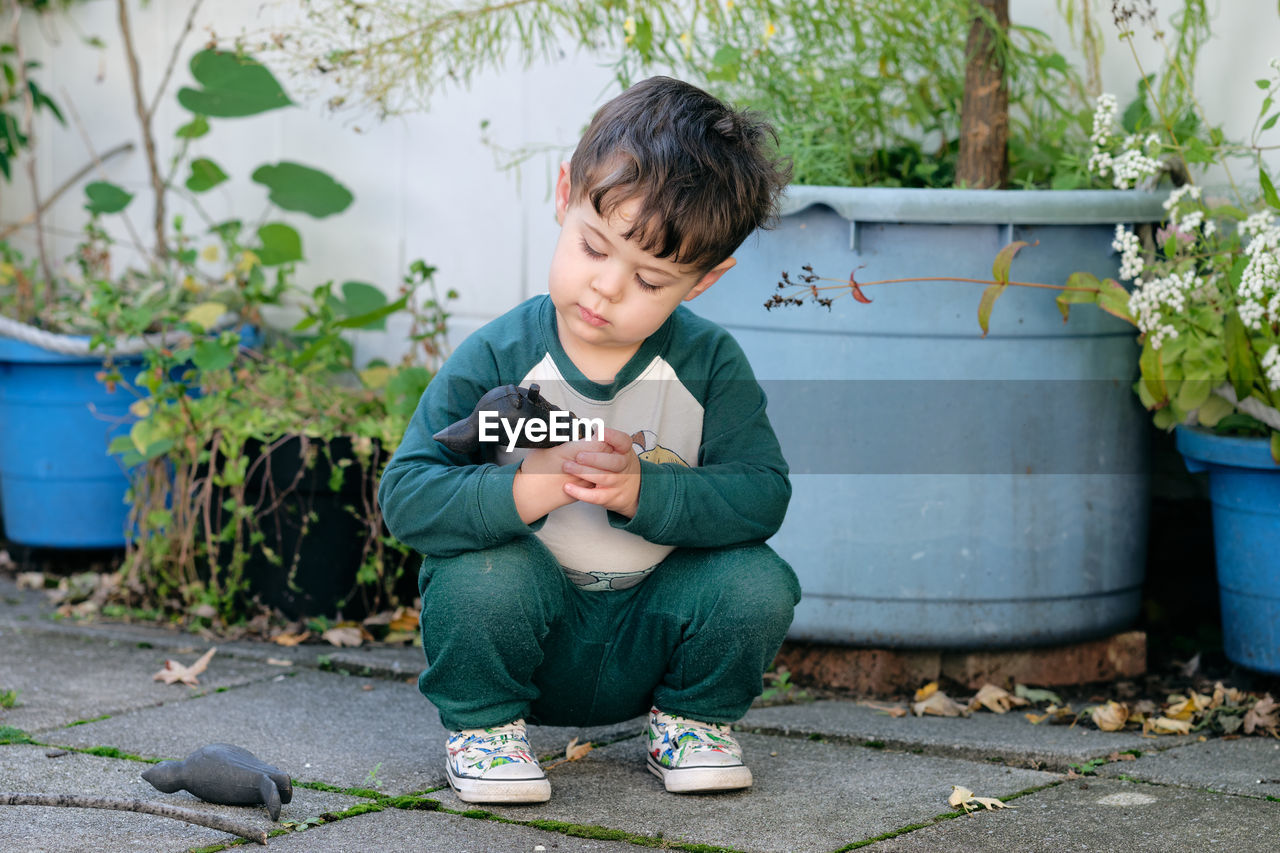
[{"x": 73, "y": 345}]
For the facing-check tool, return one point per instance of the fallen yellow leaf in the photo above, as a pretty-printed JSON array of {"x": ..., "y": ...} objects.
[
  {"x": 996, "y": 699},
  {"x": 891, "y": 710},
  {"x": 1189, "y": 707},
  {"x": 925, "y": 692},
  {"x": 1110, "y": 717},
  {"x": 175, "y": 672},
  {"x": 287, "y": 639}
]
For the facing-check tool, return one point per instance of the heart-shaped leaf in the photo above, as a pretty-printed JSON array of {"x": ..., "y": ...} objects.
[
  {"x": 106, "y": 197},
  {"x": 232, "y": 85},
  {"x": 303, "y": 189},
  {"x": 280, "y": 244},
  {"x": 205, "y": 175}
]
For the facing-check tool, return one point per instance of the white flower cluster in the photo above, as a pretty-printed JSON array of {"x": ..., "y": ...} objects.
[
  {"x": 1104, "y": 118},
  {"x": 1271, "y": 365},
  {"x": 1130, "y": 249},
  {"x": 1259, "y": 288},
  {"x": 1274, "y": 64},
  {"x": 1133, "y": 163},
  {"x": 1149, "y": 299}
]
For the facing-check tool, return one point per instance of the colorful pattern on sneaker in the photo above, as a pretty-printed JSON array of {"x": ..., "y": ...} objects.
[
  {"x": 495, "y": 765},
  {"x": 691, "y": 756}
]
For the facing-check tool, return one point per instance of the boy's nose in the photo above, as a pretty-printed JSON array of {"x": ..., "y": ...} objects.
[{"x": 609, "y": 284}]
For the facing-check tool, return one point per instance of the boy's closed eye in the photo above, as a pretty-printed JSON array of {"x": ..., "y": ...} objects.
[{"x": 590, "y": 252}]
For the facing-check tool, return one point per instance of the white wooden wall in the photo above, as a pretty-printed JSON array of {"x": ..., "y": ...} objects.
[{"x": 425, "y": 187}]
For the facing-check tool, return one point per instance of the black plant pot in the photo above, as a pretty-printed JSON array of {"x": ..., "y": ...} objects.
[{"x": 315, "y": 530}]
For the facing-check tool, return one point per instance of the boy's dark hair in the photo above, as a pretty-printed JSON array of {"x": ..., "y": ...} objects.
[{"x": 705, "y": 175}]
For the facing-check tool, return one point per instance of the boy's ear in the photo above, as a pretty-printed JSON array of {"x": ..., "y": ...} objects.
[
  {"x": 711, "y": 277},
  {"x": 563, "y": 190}
]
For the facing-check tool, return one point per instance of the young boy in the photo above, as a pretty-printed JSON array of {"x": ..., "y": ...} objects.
[{"x": 595, "y": 581}]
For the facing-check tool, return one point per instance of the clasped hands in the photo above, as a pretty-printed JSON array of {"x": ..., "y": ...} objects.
[{"x": 605, "y": 473}]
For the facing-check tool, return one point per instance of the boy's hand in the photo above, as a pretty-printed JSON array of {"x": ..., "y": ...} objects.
[
  {"x": 541, "y": 481},
  {"x": 612, "y": 474}
]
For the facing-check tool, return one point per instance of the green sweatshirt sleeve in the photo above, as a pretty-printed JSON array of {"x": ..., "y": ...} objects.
[
  {"x": 739, "y": 490},
  {"x": 437, "y": 501}
]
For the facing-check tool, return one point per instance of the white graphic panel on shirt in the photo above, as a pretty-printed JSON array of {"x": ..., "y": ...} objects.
[{"x": 665, "y": 424}]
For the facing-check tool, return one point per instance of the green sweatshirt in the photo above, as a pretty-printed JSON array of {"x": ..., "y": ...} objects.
[{"x": 712, "y": 473}]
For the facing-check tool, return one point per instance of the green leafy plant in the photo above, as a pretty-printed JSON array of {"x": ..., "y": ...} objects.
[
  {"x": 223, "y": 395},
  {"x": 8, "y": 699},
  {"x": 862, "y": 93}
]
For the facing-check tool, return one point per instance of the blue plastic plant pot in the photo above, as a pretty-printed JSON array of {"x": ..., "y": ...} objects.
[
  {"x": 1244, "y": 489},
  {"x": 950, "y": 490},
  {"x": 60, "y": 488}
]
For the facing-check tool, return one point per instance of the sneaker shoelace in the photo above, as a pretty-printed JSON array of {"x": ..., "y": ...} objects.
[
  {"x": 682, "y": 737},
  {"x": 484, "y": 748}
]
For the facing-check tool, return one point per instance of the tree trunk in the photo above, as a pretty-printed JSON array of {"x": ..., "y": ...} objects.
[{"x": 984, "y": 115}]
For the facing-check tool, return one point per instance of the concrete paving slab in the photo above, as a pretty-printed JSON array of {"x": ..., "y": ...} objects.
[
  {"x": 1249, "y": 766},
  {"x": 316, "y": 726},
  {"x": 61, "y": 678},
  {"x": 398, "y": 831},
  {"x": 807, "y": 795},
  {"x": 1106, "y": 815},
  {"x": 30, "y": 829},
  {"x": 1008, "y": 737}
]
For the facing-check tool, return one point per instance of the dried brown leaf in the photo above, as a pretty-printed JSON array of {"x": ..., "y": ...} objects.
[
  {"x": 1110, "y": 717},
  {"x": 348, "y": 635},
  {"x": 891, "y": 710},
  {"x": 174, "y": 672},
  {"x": 279, "y": 662},
  {"x": 963, "y": 798},
  {"x": 939, "y": 704},
  {"x": 1265, "y": 714},
  {"x": 1166, "y": 726},
  {"x": 406, "y": 620},
  {"x": 286, "y": 639},
  {"x": 996, "y": 699},
  {"x": 576, "y": 750},
  {"x": 30, "y": 580}
]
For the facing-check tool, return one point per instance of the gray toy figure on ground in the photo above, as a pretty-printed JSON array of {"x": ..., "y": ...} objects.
[
  {"x": 512, "y": 409},
  {"x": 227, "y": 775}
]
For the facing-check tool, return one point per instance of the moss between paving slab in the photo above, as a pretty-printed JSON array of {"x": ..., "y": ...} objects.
[
  {"x": 422, "y": 803},
  {"x": 942, "y": 818}
]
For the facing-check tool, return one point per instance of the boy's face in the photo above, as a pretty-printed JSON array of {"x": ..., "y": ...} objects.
[{"x": 609, "y": 294}]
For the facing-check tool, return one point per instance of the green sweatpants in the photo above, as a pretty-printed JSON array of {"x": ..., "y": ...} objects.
[{"x": 508, "y": 635}]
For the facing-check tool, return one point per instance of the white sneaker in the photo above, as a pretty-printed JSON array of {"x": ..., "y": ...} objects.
[
  {"x": 495, "y": 765},
  {"x": 690, "y": 756}
]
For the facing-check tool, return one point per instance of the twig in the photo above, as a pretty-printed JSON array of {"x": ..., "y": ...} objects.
[
  {"x": 70, "y": 182},
  {"x": 28, "y": 124},
  {"x": 144, "y": 119},
  {"x": 173, "y": 58},
  {"x": 75, "y": 801},
  {"x": 98, "y": 164}
]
